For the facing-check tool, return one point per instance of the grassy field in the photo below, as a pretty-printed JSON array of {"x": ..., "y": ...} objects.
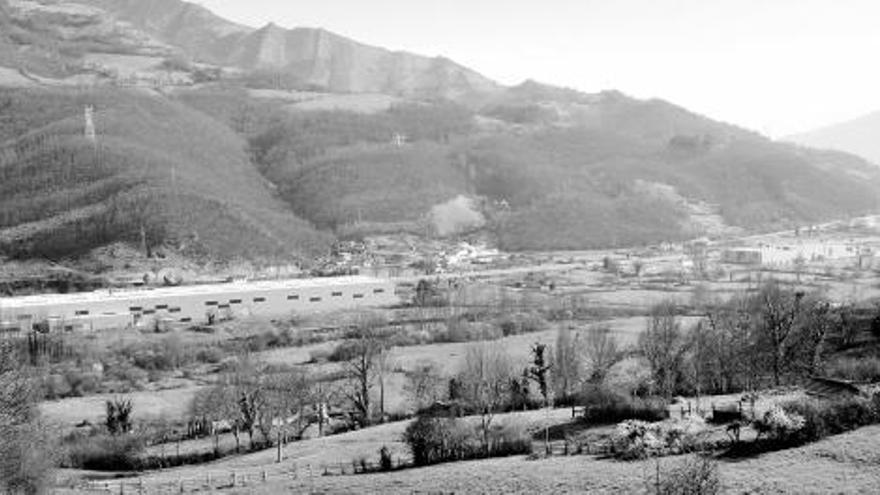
[
  {"x": 841, "y": 464},
  {"x": 173, "y": 403},
  {"x": 148, "y": 406}
]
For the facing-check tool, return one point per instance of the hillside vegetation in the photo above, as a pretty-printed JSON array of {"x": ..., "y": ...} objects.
[
  {"x": 159, "y": 172},
  {"x": 571, "y": 170},
  {"x": 219, "y": 169}
]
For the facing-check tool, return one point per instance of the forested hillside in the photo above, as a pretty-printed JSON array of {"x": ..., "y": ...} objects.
[
  {"x": 159, "y": 172},
  {"x": 573, "y": 168}
]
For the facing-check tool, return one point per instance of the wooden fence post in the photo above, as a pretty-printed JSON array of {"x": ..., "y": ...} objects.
[{"x": 280, "y": 454}]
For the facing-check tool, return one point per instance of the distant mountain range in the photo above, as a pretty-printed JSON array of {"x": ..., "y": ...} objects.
[
  {"x": 860, "y": 136},
  {"x": 222, "y": 140},
  {"x": 312, "y": 57}
]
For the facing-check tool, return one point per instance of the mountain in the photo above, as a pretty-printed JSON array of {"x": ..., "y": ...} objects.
[
  {"x": 219, "y": 140},
  {"x": 859, "y": 136},
  {"x": 306, "y": 57}
]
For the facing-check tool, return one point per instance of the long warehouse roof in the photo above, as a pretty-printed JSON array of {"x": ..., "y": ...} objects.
[{"x": 188, "y": 290}]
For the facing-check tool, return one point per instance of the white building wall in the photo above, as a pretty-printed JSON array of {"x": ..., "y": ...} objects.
[{"x": 194, "y": 305}]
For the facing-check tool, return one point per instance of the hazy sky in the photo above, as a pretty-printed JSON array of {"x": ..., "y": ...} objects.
[{"x": 777, "y": 66}]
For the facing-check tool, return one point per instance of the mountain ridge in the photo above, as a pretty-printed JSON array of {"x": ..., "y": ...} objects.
[
  {"x": 859, "y": 136},
  {"x": 313, "y": 57}
]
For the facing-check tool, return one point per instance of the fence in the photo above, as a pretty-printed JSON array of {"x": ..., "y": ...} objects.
[{"x": 303, "y": 476}]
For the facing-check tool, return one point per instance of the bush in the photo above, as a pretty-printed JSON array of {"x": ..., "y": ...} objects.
[
  {"x": 605, "y": 406},
  {"x": 823, "y": 418},
  {"x": 345, "y": 351},
  {"x": 799, "y": 422},
  {"x": 320, "y": 355},
  {"x": 105, "y": 452},
  {"x": 636, "y": 439},
  {"x": 780, "y": 424},
  {"x": 695, "y": 475},
  {"x": 210, "y": 355},
  {"x": 865, "y": 370},
  {"x": 385, "y": 461},
  {"x": 522, "y": 323},
  {"x": 434, "y": 440}
]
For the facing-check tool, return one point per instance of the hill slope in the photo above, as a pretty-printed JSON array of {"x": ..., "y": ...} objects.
[
  {"x": 575, "y": 170},
  {"x": 860, "y": 136},
  {"x": 160, "y": 172}
]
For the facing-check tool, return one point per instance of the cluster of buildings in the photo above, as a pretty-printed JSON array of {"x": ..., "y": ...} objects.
[
  {"x": 190, "y": 305},
  {"x": 781, "y": 255}
]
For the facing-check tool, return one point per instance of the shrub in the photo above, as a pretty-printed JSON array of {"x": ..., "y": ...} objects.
[
  {"x": 345, "y": 351},
  {"x": 385, "y": 461},
  {"x": 823, "y": 418},
  {"x": 697, "y": 475},
  {"x": 636, "y": 439},
  {"x": 81, "y": 383},
  {"x": 522, "y": 323},
  {"x": 320, "y": 355},
  {"x": 434, "y": 440},
  {"x": 865, "y": 370},
  {"x": 105, "y": 452},
  {"x": 210, "y": 355},
  {"x": 602, "y": 405},
  {"x": 780, "y": 424}
]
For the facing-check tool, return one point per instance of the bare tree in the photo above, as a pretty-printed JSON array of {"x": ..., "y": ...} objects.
[
  {"x": 424, "y": 386},
  {"x": 699, "y": 257},
  {"x": 368, "y": 343},
  {"x": 540, "y": 369},
  {"x": 664, "y": 345},
  {"x": 567, "y": 373},
  {"x": 216, "y": 406},
  {"x": 485, "y": 377},
  {"x": 600, "y": 351},
  {"x": 779, "y": 312},
  {"x": 726, "y": 348},
  {"x": 820, "y": 322},
  {"x": 25, "y": 454}
]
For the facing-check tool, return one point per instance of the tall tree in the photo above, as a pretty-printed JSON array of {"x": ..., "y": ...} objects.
[
  {"x": 600, "y": 352},
  {"x": 25, "y": 455},
  {"x": 539, "y": 370},
  {"x": 567, "y": 372},
  {"x": 663, "y": 345},
  {"x": 485, "y": 375},
  {"x": 779, "y": 310},
  {"x": 368, "y": 343}
]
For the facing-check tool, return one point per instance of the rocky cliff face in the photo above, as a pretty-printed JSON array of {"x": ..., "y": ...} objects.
[
  {"x": 323, "y": 59},
  {"x": 312, "y": 57}
]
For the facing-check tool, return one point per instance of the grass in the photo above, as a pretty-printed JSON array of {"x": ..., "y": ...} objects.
[{"x": 838, "y": 464}]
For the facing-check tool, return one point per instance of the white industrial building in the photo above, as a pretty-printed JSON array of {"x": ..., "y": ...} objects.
[
  {"x": 790, "y": 254},
  {"x": 198, "y": 304}
]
